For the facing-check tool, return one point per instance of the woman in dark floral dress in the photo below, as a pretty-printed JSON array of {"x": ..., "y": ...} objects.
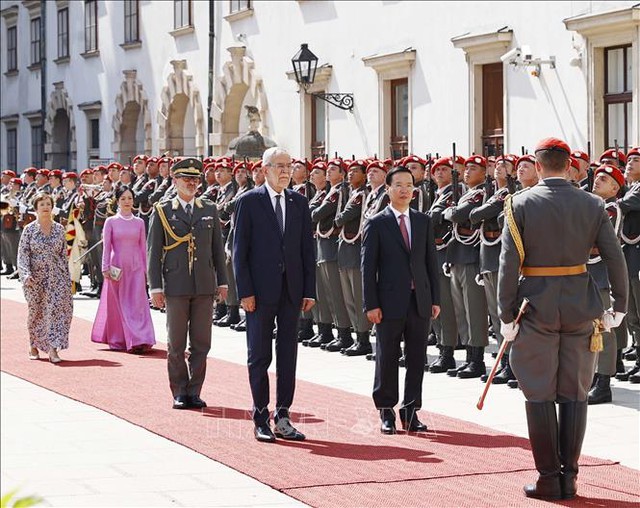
[{"x": 44, "y": 273}]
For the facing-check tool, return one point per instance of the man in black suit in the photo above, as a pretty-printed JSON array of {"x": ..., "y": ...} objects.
[
  {"x": 274, "y": 263},
  {"x": 401, "y": 295}
]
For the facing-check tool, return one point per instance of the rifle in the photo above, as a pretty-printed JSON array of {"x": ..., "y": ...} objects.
[
  {"x": 511, "y": 184},
  {"x": 455, "y": 178},
  {"x": 617, "y": 154},
  {"x": 590, "y": 179},
  {"x": 488, "y": 188},
  {"x": 431, "y": 191}
]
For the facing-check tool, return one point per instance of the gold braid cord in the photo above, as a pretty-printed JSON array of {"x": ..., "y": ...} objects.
[
  {"x": 513, "y": 228},
  {"x": 596, "y": 343},
  {"x": 188, "y": 238}
]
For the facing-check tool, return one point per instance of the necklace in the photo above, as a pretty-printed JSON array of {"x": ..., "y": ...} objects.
[{"x": 126, "y": 217}]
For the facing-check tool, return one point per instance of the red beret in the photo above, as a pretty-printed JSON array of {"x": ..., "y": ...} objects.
[
  {"x": 256, "y": 165},
  {"x": 553, "y": 144},
  {"x": 477, "y": 159},
  {"x": 574, "y": 162},
  {"x": 101, "y": 169},
  {"x": 527, "y": 158},
  {"x": 69, "y": 174},
  {"x": 634, "y": 151},
  {"x": 304, "y": 162},
  {"x": 612, "y": 171},
  {"x": 210, "y": 166},
  {"x": 17, "y": 181},
  {"x": 140, "y": 157},
  {"x": 114, "y": 165},
  {"x": 320, "y": 164},
  {"x": 358, "y": 163},
  {"x": 511, "y": 159},
  {"x": 375, "y": 164},
  {"x": 611, "y": 154},
  {"x": 460, "y": 160},
  {"x": 337, "y": 162},
  {"x": 55, "y": 173},
  {"x": 86, "y": 172},
  {"x": 413, "y": 158},
  {"x": 579, "y": 154},
  {"x": 224, "y": 165},
  {"x": 491, "y": 158},
  {"x": 152, "y": 160},
  {"x": 388, "y": 162},
  {"x": 165, "y": 160},
  {"x": 442, "y": 161},
  {"x": 44, "y": 172},
  {"x": 239, "y": 166},
  {"x": 9, "y": 172},
  {"x": 31, "y": 171}
]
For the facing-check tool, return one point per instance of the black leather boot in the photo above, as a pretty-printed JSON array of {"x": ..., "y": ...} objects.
[
  {"x": 632, "y": 371},
  {"x": 600, "y": 393},
  {"x": 432, "y": 339},
  {"x": 543, "y": 435},
  {"x": 343, "y": 341},
  {"x": 630, "y": 354},
  {"x": 453, "y": 372},
  {"x": 476, "y": 366},
  {"x": 220, "y": 312},
  {"x": 361, "y": 347},
  {"x": 619, "y": 363},
  {"x": 324, "y": 336},
  {"x": 444, "y": 362},
  {"x": 305, "y": 329},
  {"x": 506, "y": 374},
  {"x": 241, "y": 326},
  {"x": 503, "y": 363},
  {"x": 232, "y": 317},
  {"x": 8, "y": 269},
  {"x": 572, "y": 426}
]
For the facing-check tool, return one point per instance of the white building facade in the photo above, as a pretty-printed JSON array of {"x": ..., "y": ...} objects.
[{"x": 117, "y": 78}]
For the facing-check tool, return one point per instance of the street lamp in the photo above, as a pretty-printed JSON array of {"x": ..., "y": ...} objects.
[{"x": 305, "y": 64}]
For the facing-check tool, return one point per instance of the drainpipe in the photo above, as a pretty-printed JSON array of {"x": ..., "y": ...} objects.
[
  {"x": 211, "y": 63},
  {"x": 43, "y": 74}
]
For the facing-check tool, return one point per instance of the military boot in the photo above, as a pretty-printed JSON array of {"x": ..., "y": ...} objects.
[
  {"x": 444, "y": 362},
  {"x": 572, "y": 426},
  {"x": 232, "y": 317},
  {"x": 600, "y": 393},
  {"x": 506, "y": 374},
  {"x": 476, "y": 366},
  {"x": 361, "y": 347},
  {"x": 324, "y": 336},
  {"x": 632, "y": 371},
  {"x": 630, "y": 354},
  {"x": 220, "y": 312},
  {"x": 453, "y": 372},
  {"x": 305, "y": 329},
  {"x": 343, "y": 341},
  {"x": 503, "y": 363},
  {"x": 619, "y": 363},
  {"x": 8, "y": 269},
  {"x": 543, "y": 436}
]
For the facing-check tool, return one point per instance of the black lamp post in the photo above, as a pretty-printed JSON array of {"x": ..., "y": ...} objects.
[{"x": 305, "y": 64}]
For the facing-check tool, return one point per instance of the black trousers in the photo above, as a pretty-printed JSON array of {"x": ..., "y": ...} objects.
[
  {"x": 260, "y": 326},
  {"x": 389, "y": 333}
]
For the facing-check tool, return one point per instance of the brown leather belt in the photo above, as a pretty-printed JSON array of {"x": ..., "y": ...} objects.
[
  {"x": 492, "y": 234},
  {"x": 594, "y": 251},
  {"x": 439, "y": 241},
  {"x": 553, "y": 271},
  {"x": 465, "y": 231}
]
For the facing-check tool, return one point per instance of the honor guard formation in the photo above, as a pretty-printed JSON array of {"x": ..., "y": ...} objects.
[{"x": 464, "y": 198}]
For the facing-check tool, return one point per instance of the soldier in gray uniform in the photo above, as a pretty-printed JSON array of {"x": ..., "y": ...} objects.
[
  {"x": 630, "y": 207},
  {"x": 186, "y": 271},
  {"x": 350, "y": 219},
  {"x": 327, "y": 236},
  {"x": 552, "y": 353},
  {"x": 141, "y": 197},
  {"x": 320, "y": 311},
  {"x": 464, "y": 256},
  {"x": 447, "y": 325},
  {"x": 228, "y": 311},
  {"x": 608, "y": 180}
]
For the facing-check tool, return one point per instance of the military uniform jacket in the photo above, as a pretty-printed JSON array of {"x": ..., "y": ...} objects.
[
  {"x": 225, "y": 194},
  {"x": 559, "y": 225},
  {"x": 161, "y": 190},
  {"x": 324, "y": 215},
  {"x": 596, "y": 267},
  {"x": 141, "y": 198},
  {"x": 169, "y": 270},
  {"x": 486, "y": 215},
  {"x": 307, "y": 189},
  {"x": 377, "y": 200},
  {"x": 230, "y": 208},
  {"x": 350, "y": 220},
  {"x": 458, "y": 253},
  {"x": 630, "y": 207},
  {"x": 441, "y": 228}
]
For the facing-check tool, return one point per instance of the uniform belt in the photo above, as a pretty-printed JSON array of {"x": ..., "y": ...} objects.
[
  {"x": 439, "y": 241},
  {"x": 465, "y": 231},
  {"x": 492, "y": 234},
  {"x": 553, "y": 271}
]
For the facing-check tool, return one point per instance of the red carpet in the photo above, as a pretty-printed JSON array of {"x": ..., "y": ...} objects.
[{"x": 345, "y": 460}]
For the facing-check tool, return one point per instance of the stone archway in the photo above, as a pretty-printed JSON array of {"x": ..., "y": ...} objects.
[
  {"x": 181, "y": 125},
  {"x": 132, "y": 120},
  {"x": 239, "y": 79},
  {"x": 60, "y": 129}
]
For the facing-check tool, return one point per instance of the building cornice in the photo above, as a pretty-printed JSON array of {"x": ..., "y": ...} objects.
[
  {"x": 597, "y": 23},
  {"x": 475, "y": 42}
]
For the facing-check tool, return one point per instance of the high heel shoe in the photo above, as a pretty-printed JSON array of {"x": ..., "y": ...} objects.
[
  {"x": 53, "y": 356},
  {"x": 34, "y": 354}
]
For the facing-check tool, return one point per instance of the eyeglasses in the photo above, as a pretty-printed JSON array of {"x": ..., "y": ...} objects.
[{"x": 287, "y": 168}]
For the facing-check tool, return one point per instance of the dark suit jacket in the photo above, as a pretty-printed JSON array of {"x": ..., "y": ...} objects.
[
  {"x": 559, "y": 224},
  {"x": 169, "y": 270},
  {"x": 260, "y": 252},
  {"x": 388, "y": 267}
]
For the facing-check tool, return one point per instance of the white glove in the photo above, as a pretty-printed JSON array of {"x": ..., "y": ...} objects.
[
  {"x": 509, "y": 331},
  {"x": 612, "y": 319},
  {"x": 23, "y": 208}
]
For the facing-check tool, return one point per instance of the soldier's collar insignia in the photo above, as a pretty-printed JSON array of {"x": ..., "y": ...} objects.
[{"x": 175, "y": 204}]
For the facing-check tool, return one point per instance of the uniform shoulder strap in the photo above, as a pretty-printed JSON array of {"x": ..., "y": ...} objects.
[{"x": 513, "y": 228}]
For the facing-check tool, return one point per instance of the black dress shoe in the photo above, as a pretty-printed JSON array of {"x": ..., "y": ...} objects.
[
  {"x": 196, "y": 402},
  {"x": 181, "y": 402},
  {"x": 285, "y": 430},
  {"x": 512, "y": 383},
  {"x": 388, "y": 426},
  {"x": 415, "y": 425},
  {"x": 263, "y": 433}
]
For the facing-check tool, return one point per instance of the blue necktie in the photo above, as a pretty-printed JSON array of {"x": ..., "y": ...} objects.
[
  {"x": 279, "y": 216},
  {"x": 188, "y": 210}
]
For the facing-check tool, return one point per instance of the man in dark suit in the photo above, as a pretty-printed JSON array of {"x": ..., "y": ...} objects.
[
  {"x": 401, "y": 295},
  {"x": 186, "y": 270},
  {"x": 274, "y": 263},
  {"x": 553, "y": 357}
]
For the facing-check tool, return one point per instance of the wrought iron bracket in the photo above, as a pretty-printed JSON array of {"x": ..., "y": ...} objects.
[{"x": 340, "y": 100}]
